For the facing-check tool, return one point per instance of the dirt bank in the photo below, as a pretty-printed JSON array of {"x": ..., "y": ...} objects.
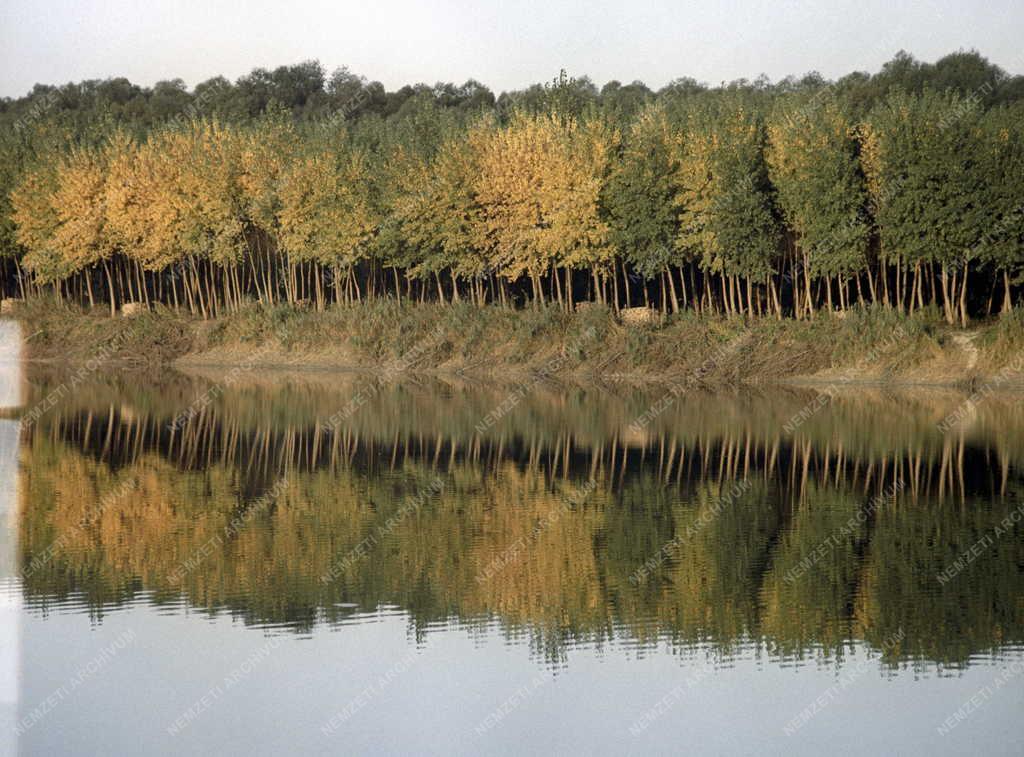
[{"x": 870, "y": 346}]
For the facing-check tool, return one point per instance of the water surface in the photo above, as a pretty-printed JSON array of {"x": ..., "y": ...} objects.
[{"x": 244, "y": 564}]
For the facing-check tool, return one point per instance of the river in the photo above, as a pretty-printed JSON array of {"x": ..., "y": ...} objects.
[{"x": 244, "y": 563}]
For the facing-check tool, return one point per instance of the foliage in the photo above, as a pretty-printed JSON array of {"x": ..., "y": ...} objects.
[{"x": 902, "y": 188}]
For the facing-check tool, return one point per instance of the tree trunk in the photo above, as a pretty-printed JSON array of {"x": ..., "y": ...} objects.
[
  {"x": 672, "y": 289},
  {"x": 913, "y": 289},
  {"x": 775, "y": 297},
  {"x": 963, "y": 297},
  {"x": 88, "y": 288},
  {"x": 440, "y": 289},
  {"x": 807, "y": 285},
  {"x": 110, "y": 286},
  {"x": 947, "y": 306}
]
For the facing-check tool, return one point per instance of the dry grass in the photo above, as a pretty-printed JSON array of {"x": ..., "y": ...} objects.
[{"x": 868, "y": 344}]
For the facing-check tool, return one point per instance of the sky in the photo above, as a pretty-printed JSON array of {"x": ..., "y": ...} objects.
[{"x": 506, "y": 44}]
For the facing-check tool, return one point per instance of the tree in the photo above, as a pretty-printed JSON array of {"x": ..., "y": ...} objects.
[
  {"x": 266, "y": 153},
  {"x": 325, "y": 216},
  {"x": 814, "y": 167},
  {"x": 36, "y": 220},
  {"x": 728, "y": 218},
  {"x": 642, "y": 199},
  {"x": 921, "y": 156},
  {"x": 436, "y": 205},
  {"x": 1001, "y": 162},
  {"x": 61, "y": 216},
  {"x": 538, "y": 188}
]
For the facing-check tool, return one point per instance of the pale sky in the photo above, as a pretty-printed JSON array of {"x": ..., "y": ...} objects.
[{"x": 505, "y": 45}]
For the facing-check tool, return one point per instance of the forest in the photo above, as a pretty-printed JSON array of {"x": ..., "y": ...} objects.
[{"x": 902, "y": 189}]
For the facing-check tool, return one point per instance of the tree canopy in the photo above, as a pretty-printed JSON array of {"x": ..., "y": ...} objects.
[{"x": 292, "y": 184}]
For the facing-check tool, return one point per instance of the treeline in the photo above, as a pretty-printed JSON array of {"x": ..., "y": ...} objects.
[{"x": 905, "y": 188}]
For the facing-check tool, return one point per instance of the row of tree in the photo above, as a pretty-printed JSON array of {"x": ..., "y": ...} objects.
[{"x": 748, "y": 198}]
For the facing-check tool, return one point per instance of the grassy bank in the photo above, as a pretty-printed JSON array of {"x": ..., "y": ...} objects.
[{"x": 866, "y": 345}]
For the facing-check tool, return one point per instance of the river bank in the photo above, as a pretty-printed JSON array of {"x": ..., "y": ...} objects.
[{"x": 863, "y": 346}]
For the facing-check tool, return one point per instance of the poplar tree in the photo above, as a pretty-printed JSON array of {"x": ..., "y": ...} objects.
[
  {"x": 923, "y": 161},
  {"x": 728, "y": 216},
  {"x": 643, "y": 203},
  {"x": 814, "y": 167},
  {"x": 1001, "y": 161}
]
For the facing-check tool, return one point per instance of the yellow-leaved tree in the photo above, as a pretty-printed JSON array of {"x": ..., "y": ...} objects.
[
  {"x": 577, "y": 232},
  {"x": 61, "y": 217},
  {"x": 36, "y": 222},
  {"x": 326, "y": 217},
  {"x": 538, "y": 188},
  {"x": 265, "y": 154}
]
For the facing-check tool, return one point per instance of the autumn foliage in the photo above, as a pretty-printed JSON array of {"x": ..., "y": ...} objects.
[{"x": 739, "y": 200}]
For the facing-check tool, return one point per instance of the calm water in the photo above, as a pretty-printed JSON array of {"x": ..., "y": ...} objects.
[{"x": 314, "y": 564}]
